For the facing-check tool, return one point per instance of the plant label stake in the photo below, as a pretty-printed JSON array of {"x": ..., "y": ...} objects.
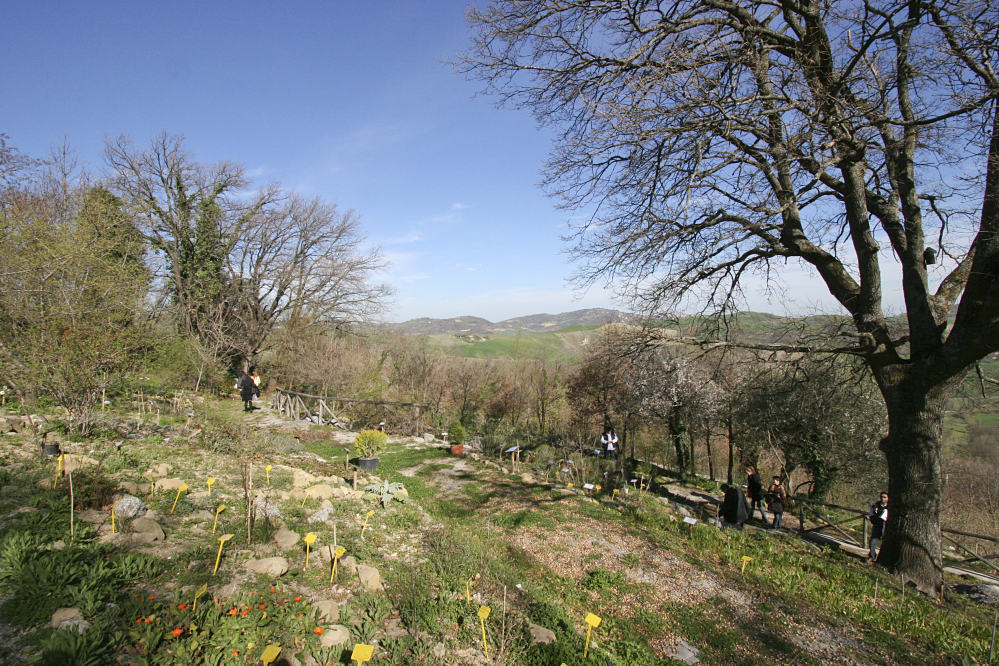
[
  {"x": 690, "y": 521},
  {"x": 745, "y": 560},
  {"x": 217, "y": 512},
  {"x": 310, "y": 539},
  {"x": 271, "y": 653},
  {"x": 307, "y": 491},
  {"x": 598, "y": 488},
  {"x": 112, "y": 520},
  {"x": 591, "y": 622},
  {"x": 267, "y": 470},
  {"x": 614, "y": 494},
  {"x": 483, "y": 614},
  {"x": 362, "y": 653},
  {"x": 468, "y": 592},
  {"x": 210, "y": 481},
  {"x": 58, "y": 469},
  {"x": 152, "y": 484},
  {"x": 337, "y": 554},
  {"x": 201, "y": 590},
  {"x": 218, "y": 558},
  {"x": 182, "y": 488},
  {"x": 365, "y": 526}
]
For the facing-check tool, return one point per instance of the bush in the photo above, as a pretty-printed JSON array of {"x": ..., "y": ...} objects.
[
  {"x": 369, "y": 443},
  {"x": 456, "y": 432}
]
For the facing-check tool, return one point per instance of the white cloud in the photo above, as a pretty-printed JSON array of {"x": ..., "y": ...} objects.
[{"x": 459, "y": 206}]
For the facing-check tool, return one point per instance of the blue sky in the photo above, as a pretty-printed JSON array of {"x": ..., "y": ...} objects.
[{"x": 351, "y": 101}]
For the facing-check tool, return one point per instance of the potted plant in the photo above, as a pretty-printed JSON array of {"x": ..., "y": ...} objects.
[
  {"x": 367, "y": 445},
  {"x": 456, "y": 433}
]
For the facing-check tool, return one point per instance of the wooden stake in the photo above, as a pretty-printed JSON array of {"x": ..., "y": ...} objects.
[
  {"x": 993, "y": 648},
  {"x": 72, "y": 501}
]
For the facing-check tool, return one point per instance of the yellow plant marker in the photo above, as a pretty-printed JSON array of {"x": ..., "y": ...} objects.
[
  {"x": 201, "y": 590},
  {"x": 483, "y": 614},
  {"x": 468, "y": 593},
  {"x": 591, "y": 622},
  {"x": 614, "y": 494},
  {"x": 307, "y": 491},
  {"x": 746, "y": 559},
  {"x": 152, "y": 484},
  {"x": 271, "y": 653},
  {"x": 210, "y": 481},
  {"x": 112, "y": 520},
  {"x": 268, "y": 471},
  {"x": 597, "y": 488},
  {"x": 337, "y": 554},
  {"x": 309, "y": 539},
  {"x": 182, "y": 488},
  {"x": 569, "y": 485},
  {"x": 222, "y": 540},
  {"x": 365, "y": 526},
  {"x": 362, "y": 653},
  {"x": 217, "y": 512}
]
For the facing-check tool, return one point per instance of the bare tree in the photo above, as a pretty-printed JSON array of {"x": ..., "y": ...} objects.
[{"x": 724, "y": 138}]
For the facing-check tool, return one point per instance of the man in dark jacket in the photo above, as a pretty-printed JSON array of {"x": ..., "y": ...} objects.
[
  {"x": 756, "y": 496},
  {"x": 734, "y": 509},
  {"x": 878, "y": 515},
  {"x": 246, "y": 389}
]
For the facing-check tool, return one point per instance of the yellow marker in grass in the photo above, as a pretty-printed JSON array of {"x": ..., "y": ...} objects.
[
  {"x": 210, "y": 481},
  {"x": 597, "y": 488},
  {"x": 746, "y": 559},
  {"x": 201, "y": 590},
  {"x": 222, "y": 540},
  {"x": 271, "y": 653},
  {"x": 591, "y": 622},
  {"x": 483, "y": 614},
  {"x": 268, "y": 471},
  {"x": 337, "y": 554},
  {"x": 58, "y": 469},
  {"x": 112, "y": 520},
  {"x": 152, "y": 483},
  {"x": 182, "y": 488},
  {"x": 217, "y": 512},
  {"x": 310, "y": 539},
  {"x": 614, "y": 494},
  {"x": 307, "y": 491},
  {"x": 365, "y": 526},
  {"x": 362, "y": 653}
]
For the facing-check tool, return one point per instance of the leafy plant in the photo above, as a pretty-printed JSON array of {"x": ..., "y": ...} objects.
[
  {"x": 369, "y": 443},
  {"x": 386, "y": 492},
  {"x": 456, "y": 432}
]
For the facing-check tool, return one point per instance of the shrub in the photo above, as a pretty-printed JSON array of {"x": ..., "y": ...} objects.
[
  {"x": 369, "y": 443},
  {"x": 456, "y": 432}
]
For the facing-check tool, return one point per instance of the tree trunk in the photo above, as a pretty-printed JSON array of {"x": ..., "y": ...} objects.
[
  {"x": 707, "y": 444},
  {"x": 677, "y": 428},
  {"x": 912, "y": 542},
  {"x": 731, "y": 449}
]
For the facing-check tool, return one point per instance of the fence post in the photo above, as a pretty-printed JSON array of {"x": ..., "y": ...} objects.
[
  {"x": 801, "y": 516},
  {"x": 867, "y": 544}
]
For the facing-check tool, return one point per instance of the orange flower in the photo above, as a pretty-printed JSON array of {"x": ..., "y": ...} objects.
[
  {"x": 317, "y": 631},
  {"x": 233, "y": 611},
  {"x": 235, "y": 653},
  {"x": 177, "y": 632},
  {"x": 181, "y": 606},
  {"x": 262, "y": 606},
  {"x": 151, "y": 598},
  {"x": 301, "y": 615},
  {"x": 244, "y": 612},
  {"x": 273, "y": 590},
  {"x": 298, "y": 598},
  {"x": 148, "y": 620},
  {"x": 139, "y": 621}
]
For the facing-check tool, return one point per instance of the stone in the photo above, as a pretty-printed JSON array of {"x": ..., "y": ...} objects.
[
  {"x": 301, "y": 478},
  {"x": 269, "y": 566},
  {"x": 74, "y": 462},
  {"x": 326, "y": 505},
  {"x": 370, "y": 578},
  {"x": 285, "y": 539},
  {"x": 201, "y": 494},
  {"x": 540, "y": 635},
  {"x": 683, "y": 652},
  {"x": 357, "y": 494},
  {"x": 402, "y": 492},
  {"x": 169, "y": 484},
  {"x": 69, "y": 618},
  {"x": 57, "y": 545},
  {"x": 350, "y": 562},
  {"x": 145, "y": 525},
  {"x": 985, "y": 594},
  {"x": 369, "y": 497},
  {"x": 92, "y": 516},
  {"x": 143, "y": 538},
  {"x": 325, "y": 553},
  {"x": 527, "y": 478},
  {"x": 428, "y": 437},
  {"x": 129, "y": 506},
  {"x": 335, "y": 635},
  {"x": 321, "y": 516},
  {"x": 265, "y": 510},
  {"x": 158, "y": 471},
  {"x": 393, "y": 629},
  {"x": 321, "y": 491},
  {"x": 329, "y": 610},
  {"x": 201, "y": 516}
]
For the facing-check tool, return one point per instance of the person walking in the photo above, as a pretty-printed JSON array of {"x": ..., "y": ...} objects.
[
  {"x": 878, "y": 515},
  {"x": 734, "y": 510},
  {"x": 776, "y": 500},
  {"x": 256, "y": 384},
  {"x": 756, "y": 495},
  {"x": 245, "y": 386},
  {"x": 609, "y": 442}
]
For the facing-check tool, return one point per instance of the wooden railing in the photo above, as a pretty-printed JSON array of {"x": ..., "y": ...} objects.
[{"x": 328, "y": 410}]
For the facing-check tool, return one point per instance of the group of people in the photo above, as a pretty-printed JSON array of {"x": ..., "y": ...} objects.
[
  {"x": 249, "y": 389},
  {"x": 736, "y": 510}
]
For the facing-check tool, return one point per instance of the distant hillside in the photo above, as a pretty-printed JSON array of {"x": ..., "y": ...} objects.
[{"x": 538, "y": 323}]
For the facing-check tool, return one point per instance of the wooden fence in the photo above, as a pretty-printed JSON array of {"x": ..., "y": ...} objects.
[{"x": 328, "y": 410}]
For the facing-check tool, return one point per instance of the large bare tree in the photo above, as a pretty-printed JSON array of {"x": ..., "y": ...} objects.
[{"x": 720, "y": 139}]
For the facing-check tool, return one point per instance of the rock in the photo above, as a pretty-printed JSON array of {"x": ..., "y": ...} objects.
[
  {"x": 285, "y": 539},
  {"x": 265, "y": 510},
  {"x": 357, "y": 494},
  {"x": 428, "y": 437},
  {"x": 129, "y": 506},
  {"x": 683, "y": 652},
  {"x": 151, "y": 515},
  {"x": 301, "y": 478},
  {"x": 116, "y": 538},
  {"x": 57, "y": 545},
  {"x": 325, "y": 553},
  {"x": 402, "y": 492},
  {"x": 985, "y": 594},
  {"x": 335, "y": 635},
  {"x": 393, "y": 629},
  {"x": 158, "y": 471},
  {"x": 370, "y": 578},
  {"x": 321, "y": 516},
  {"x": 92, "y": 516},
  {"x": 201, "y": 494},
  {"x": 74, "y": 462},
  {"x": 145, "y": 525},
  {"x": 269, "y": 566},
  {"x": 541, "y": 635},
  {"x": 527, "y": 478},
  {"x": 321, "y": 491},
  {"x": 329, "y": 610},
  {"x": 350, "y": 562},
  {"x": 504, "y": 470},
  {"x": 169, "y": 484},
  {"x": 69, "y": 618},
  {"x": 326, "y": 505},
  {"x": 143, "y": 538},
  {"x": 201, "y": 516}
]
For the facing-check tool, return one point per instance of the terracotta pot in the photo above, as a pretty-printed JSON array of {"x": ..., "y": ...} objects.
[{"x": 457, "y": 449}]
